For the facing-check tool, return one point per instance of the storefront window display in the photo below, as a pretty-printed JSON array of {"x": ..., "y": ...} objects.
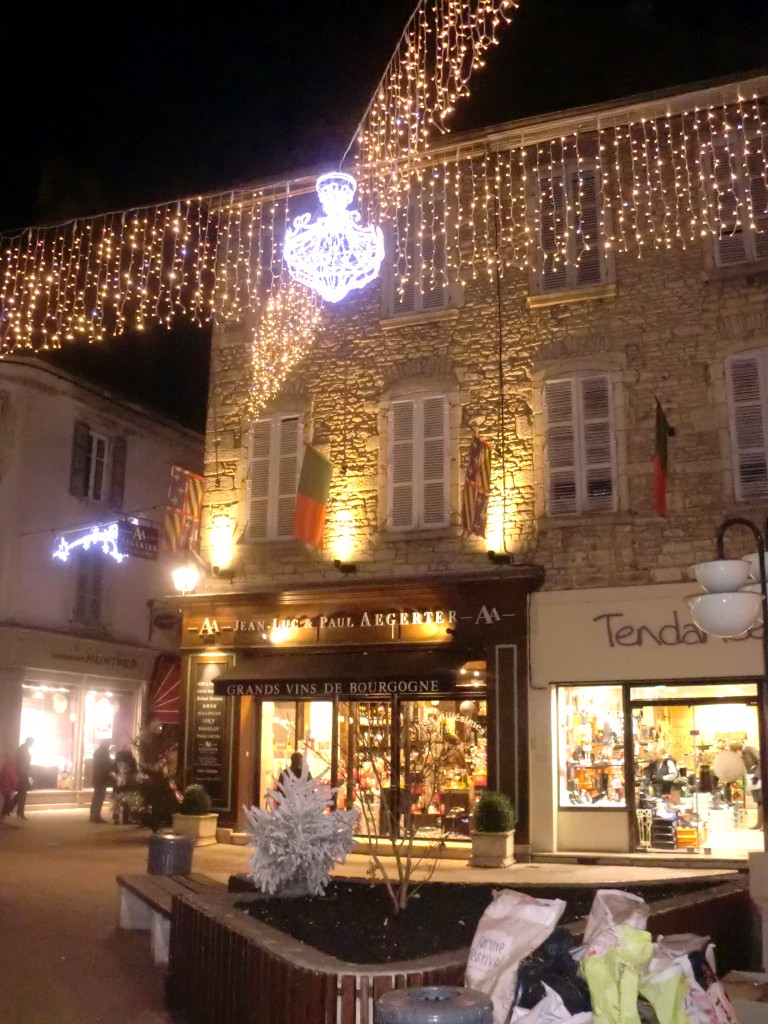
[
  {"x": 426, "y": 774},
  {"x": 591, "y": 746},
  {"x": 49, "y": 715},
  {"x": 107, "y": 716},
  {"x": 695, "y": 748}
]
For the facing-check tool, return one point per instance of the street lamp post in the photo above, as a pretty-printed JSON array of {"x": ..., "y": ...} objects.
[{"x": 730, "y": 613}]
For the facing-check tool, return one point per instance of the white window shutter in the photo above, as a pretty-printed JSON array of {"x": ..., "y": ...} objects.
[
  {"x": 759, "y": 197},
  {"x": 404, "y": 292},
  {"x": 554, "y": 272},
  {"x": 258, "y": 487},
  {"x": 434, "y": 291},
  {"x": 585, "y": 199},
  {"x": 434, "y": 462},
  {"x": 560, "y": 447},
  {"x": 730, "y": 242},
  {"x": 746, "y": 376},
  {"x": 288, "y": 466},
  {"x": 401, "y": 464},
  {"x": 597, "y": 444}
]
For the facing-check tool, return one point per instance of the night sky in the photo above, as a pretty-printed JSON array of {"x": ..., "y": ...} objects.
[{"x": 104, "y": 108}]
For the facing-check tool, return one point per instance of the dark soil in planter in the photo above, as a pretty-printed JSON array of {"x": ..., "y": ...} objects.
[{"x": 354, "y": 920}]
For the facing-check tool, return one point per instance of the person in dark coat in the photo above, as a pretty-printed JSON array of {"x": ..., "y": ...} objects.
[
  {"x": 23, "y": 768},
  {"x": 103, "y": 766},
  {"x": 296, "y": 767},
  {"x": 9, "y": 784},
  {"x": 126, "y": 768}
]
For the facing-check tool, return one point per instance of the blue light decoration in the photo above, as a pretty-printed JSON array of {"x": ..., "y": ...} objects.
[
  {"x": 103, "y": 535},
  {"x": 335, "y": 253}
]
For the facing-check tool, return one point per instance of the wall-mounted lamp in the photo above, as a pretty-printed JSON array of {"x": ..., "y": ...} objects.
[
  {"x": 500, "y": 558},
  {"x": 186, "y": 577},
  {"x": 345, "y": 568}
]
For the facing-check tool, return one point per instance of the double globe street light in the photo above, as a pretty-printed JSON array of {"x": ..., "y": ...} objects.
[{"x": 735, "y": 602}]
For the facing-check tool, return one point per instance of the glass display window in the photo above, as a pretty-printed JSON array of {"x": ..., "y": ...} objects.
[
  {"x": 591, "y": 746},
  {"x": 107, "y": 715},
  {"x": 443, "y": 764},
  {"x": 49, "y": 715}
]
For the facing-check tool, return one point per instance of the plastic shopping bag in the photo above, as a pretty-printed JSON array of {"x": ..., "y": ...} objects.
[
  {"x": 512, "y": 926},
  {"x": 611, "y": 908}
]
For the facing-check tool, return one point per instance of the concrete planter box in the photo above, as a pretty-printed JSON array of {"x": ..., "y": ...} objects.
[
  {"x": 492, "y": 849},
  {"x": 202, "y": 827}
]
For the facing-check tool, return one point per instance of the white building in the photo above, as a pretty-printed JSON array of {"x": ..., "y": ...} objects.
[{"x": 77, "y": 652}]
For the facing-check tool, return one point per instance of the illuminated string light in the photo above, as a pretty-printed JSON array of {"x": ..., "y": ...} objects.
[{"x": 103, "y": 537}]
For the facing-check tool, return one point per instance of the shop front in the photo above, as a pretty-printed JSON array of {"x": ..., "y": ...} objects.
[
  {"x": 69, "y": 695},
  {"x": 411, "y": 699},
  {"x": 653, "y": 744}
]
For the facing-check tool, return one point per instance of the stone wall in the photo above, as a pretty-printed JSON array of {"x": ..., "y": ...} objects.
[{"x": 665, "y": 332}]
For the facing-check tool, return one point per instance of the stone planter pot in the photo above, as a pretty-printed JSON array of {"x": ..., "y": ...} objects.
[
  {"x": 492, "y": 849},
  {"x": 201, "y": 826}
]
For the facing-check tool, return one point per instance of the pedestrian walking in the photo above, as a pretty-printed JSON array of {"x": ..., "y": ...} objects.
[
  {"x": 24, "y": 782},
  {"x": 9, "y": 784},
  {"x": 103, "y": 778}
]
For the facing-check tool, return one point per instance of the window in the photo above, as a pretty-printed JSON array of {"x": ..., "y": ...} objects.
[
  {"x": 740, "y": 201},
  {"x": 590, "y": 726},
  {"x": 274, "y": 474},
  {"x": 418, "y": 256},
  {"x": 571, "y": 255},
  {"x": 97, "y": 468},
  {"x": 418, "y": 463},
  {"x": 89, "y": 584},
  {"x": 747, "y": 382},
  {"x": 579, "y": 445}
]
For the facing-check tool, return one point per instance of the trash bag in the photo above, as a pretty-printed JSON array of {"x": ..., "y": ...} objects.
[
  {"x": 552, "y": 968},
  {"x": 614, "y": 977},
  {"x": 611, "y": 908},
  {"x": 549, "y": 1010},
  {"x": 512, "y": 927}
]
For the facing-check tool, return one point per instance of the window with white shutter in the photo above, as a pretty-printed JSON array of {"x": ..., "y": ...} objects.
[
  {"x": 579, "y": 445},
  {"x": 418, "y": 463},
  {"x": 417, "y": 282},
  {"x": 274, "y": 465},
  {"x": 747, "y": 379},
  {"x": 740, "y": 201},
  {"x": 571, "y": 254}
]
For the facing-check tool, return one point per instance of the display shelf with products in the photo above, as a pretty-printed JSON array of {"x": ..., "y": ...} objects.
[{"x": 591, "y": 746}]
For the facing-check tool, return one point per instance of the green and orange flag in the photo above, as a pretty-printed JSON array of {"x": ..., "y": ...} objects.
[
  {"x": 312, "y": 498},
  {"x": 661, "y": 461}
]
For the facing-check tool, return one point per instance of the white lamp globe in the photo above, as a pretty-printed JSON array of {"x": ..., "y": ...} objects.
[{"x": 185, "y": 578}]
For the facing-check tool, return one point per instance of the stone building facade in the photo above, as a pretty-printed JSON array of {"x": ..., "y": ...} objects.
[{"x": 659, "y": 324}]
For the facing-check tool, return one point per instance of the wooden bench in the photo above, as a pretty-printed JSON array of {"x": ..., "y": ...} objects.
[{"x": 146, "y": 901}]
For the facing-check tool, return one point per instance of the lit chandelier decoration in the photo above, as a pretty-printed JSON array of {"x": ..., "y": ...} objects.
[{"x": 333, "y": 254}]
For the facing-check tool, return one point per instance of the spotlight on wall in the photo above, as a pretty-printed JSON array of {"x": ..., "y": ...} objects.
[
  {"x": 345, "y": 568},
  {"x": 223, "y": 574},
  {"x": 500, "y": 558}
]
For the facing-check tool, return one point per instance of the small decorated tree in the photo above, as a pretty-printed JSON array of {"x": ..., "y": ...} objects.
[{"x": 296, "y": 838}]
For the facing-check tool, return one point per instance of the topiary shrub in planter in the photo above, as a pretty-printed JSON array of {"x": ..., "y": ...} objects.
[
  {"x": 493, "y": 837},
  {"x": 194, "y": 817}
]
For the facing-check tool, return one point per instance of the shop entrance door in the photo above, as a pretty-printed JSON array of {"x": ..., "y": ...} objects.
[{"x": 693, "y": 781}]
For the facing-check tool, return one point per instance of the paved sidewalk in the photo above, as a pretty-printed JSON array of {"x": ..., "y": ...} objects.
[{"x": 64, "y": 961}]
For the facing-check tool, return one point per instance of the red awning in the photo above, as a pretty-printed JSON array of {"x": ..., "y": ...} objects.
[{"x": 165, "y": 690}]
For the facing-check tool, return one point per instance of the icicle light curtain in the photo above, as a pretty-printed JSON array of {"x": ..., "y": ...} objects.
[{"x": 650, "y": 177}]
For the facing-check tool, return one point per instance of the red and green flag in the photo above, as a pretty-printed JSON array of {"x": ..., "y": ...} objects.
[
  {"x": 312, "y": 498},
  {"x": 661, "y": 461}
]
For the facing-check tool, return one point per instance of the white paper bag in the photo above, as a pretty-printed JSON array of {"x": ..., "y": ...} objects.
[
  {"x": 610, "y": 908},
  {"x": 510, "y": 929}
]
